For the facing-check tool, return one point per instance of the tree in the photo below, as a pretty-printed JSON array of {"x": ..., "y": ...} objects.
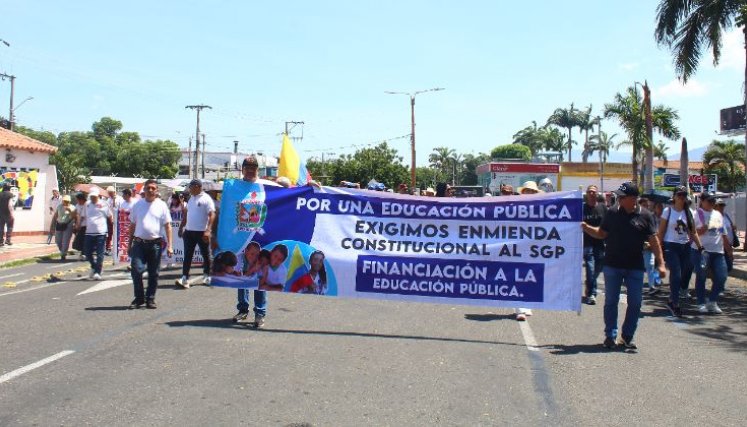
[
  {"x": 601, "y": 143},
  {"x": 726, "y": 157},
  {"x": 440, "y": 160},
  {"x": 586, "y": 124},
  {"x": 629, "y": 112},
  {"x": 660, "y": 151},
  {"x": 381, "y": 163},
  {"x": 567, "y": 118},
  {"x": 511, "y": 152},
  {"x": 468, "y": 174},
  {"x": 530, "y": 136}
]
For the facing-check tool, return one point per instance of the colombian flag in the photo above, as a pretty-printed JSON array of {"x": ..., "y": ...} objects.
[
  {"x": 296, "y": 269},
  {"x": 290, "y": 165}
]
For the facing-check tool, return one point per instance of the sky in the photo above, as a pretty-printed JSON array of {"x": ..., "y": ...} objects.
[{"x": 329, "y": 63}]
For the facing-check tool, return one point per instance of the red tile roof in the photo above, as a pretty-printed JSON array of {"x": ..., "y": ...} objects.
[
  {"x": 675, "y": 164},
  {"x": 15, "y": 140}
]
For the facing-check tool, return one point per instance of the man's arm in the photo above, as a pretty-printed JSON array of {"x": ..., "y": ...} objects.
[
  {"x": 653, "y": 242},
  {"x": 169, "y": 248},
  {"x": 184, "y": 221},
  {"x": 209, "y": 227},
  {"x": 131, "y": 234},
  {"x": 595, "y": 232}
]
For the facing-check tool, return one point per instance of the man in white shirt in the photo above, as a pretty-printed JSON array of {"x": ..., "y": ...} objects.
[
  {"x": 147, "y": 218},
  {"x": 195, "y": 229},
  {"x": 114, "y": 201},
  {"x": 97, "y": 218}
]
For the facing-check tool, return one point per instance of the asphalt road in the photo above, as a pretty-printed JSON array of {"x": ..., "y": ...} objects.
[{"x": 73, "y": 358}]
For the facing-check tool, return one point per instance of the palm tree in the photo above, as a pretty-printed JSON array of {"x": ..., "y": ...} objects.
[
  {"x": 567, "y": 118},
  {"x": 728, "y": 154},
  {"x": 439, "y": 160},
  {"x": 628, "y": 110},
  {"x": 660, "y": 151},
  {"x": 586, "y": 124},
  {"x": 602, "y": 143},
  {"x": 456, "y": 163},
  {"x": 531, "y": 137}
]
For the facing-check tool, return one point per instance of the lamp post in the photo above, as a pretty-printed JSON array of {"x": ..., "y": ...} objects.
[
  {"x": 412, "y": 96},
  {"x": 13, "y": 112}
]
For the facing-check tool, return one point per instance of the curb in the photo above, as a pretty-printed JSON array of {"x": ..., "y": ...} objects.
[{"x": 738, "y": 273}]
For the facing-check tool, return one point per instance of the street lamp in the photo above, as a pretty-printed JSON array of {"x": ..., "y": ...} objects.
[
  {"x": 13, "y": 112},
  {"x": 412, "y": 96}
]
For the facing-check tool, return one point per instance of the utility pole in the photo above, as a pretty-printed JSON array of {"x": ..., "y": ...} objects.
[
  {"x": 11, "y": 117},
  {"x": 412, "y": 96},
  {"x": 294, "y": 123},
  {"x": 189, "y": 157},
  {"x": 203, "y": 156},
  {"x": 197, "y": 135},
  {"x": 648, "y": 179}
]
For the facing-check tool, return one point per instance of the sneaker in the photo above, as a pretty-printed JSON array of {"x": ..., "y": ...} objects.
[
  {"x": 685, "y": 294},
  {"x": 259, "y": 321},
  {"x": 97, "y": 276},
  {"x": 712, "y": 307},
  {"x": 91, "y": 274},
  {"x": 592, "y": 300},
  {"x": 241, "y": 315},
  {"x": 628, "y": 343},
  {"x": 676, "y": 311},
  {"x": 7, "y": 242},
  {"x": 206, "y": 280},
  {"x": 609, "y": 343},
  {"x": 81, "y": 257},
  {"x": 151, "y": 304},
  {"x": 135, "y": 304},
  {"x": 702, "y": 309},
  {"x": 183, "y": 282}
]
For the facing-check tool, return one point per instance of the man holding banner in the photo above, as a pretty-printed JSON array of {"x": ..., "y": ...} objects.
[{"x": 625, "y": 227}]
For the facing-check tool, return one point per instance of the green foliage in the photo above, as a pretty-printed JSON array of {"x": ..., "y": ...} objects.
[
  {"x": 380, "y": 163},
  {"x": 468, "y": 174},
  {"x": 540, "y": 139},
  {"x": 512, "y": 152},
  {"x": 567, "y": 118},
  {"x": 724, "y": 158}
]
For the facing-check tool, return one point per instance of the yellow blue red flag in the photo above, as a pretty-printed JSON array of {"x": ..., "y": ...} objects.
[{"x": 290, "y": 165}]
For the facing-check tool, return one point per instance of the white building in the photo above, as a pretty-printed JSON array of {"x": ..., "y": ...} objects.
[
  {"x": 24, "y": 163},
  {"x": 218, "y": 164}
]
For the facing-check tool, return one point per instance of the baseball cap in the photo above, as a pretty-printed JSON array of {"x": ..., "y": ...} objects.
[
  {"x": 110, "y": 188},
  {"x": 721, "y": 202},
  {"x": 196, "y": 182},
  {"x": 66, "y": 198},
  {"x": 94, "y": 192},
  {"x": 709, "y": 196},
  {"x": 627, "y": 189},
  {"x": 249, "y": 161},
  {"x": 680, "y": 189}
]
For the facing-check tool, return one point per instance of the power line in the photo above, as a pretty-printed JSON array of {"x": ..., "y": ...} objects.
[
  {"x": 365, "y": 144},
  {"x": 197, "y": 139}
]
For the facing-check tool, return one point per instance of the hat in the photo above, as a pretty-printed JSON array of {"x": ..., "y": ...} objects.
[
  {"x": 110, "y": 188},
  {"x": 680, "y": 189},
  {"x": 720, "y": 202},
  {"x": 249, "y": 161},
  {"x": 93, "y": 192},
  {"x": 627, "y": 189},
  {"x": 592, "y": 187},
  {"x": 196, "y": 182},
  {"x": 530, "y": 185},
  {"x": 66, "y": 198},
  {"x": 707, "y": 195}
]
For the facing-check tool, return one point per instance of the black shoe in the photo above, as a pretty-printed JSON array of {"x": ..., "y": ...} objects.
[
  {"x": 241, "y": 315},
  {"x": 7, "y": 242},
  {"x": 592, "y": 300},
  {"x": 135, "y": 304},
  {"x": 675, "y": 310},
  {"x": 628, "y": 343},
  {"x": 151, "y": 303},
  {"x": 609, "y": 343}
]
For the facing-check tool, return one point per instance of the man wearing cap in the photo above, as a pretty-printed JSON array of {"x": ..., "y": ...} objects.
[
  {"x": 625, "y": 228},
  {"x": 147, "y": 218},
  {"x": 97, "y": 216},
  {"x": 593, "y": 248},
  {"x": 715, "y": 247},
  {"x": 196, "y": 229}
]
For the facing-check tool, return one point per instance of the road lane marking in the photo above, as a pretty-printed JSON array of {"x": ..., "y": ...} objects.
[
  {"x": 51, "y": 267},
  {"x": 33, "y": 288},
  {"x": 20, "y": 371},
  {"x": 529, "y": 340},
  {"x": 107, "y": 284},
  {"x": 11, "y": 275}
]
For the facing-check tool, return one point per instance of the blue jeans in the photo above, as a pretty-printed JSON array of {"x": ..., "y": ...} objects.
[
  {"x": 593, "y": 263},
  {"x": 614, "y": 278},
  {"x": 145, "y": 256},
  {"x": 260, "y": 302},
  {"x": 192, "y": 239},
  {"x": 678, "y": 258},
  {"x": 652, "y": 273},
  {"x": 717, "y": 265},
  {"x": 95, "y": 242}
]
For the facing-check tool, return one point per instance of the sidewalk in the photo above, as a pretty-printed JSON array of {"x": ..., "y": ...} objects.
[{"x": 25, "y": 247}]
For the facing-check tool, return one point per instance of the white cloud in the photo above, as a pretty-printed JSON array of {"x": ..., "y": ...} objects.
[
  {"x": 629, "y": 66},
  {"x": 732, "y": 51},
  {"x": 675, "y": 89}
]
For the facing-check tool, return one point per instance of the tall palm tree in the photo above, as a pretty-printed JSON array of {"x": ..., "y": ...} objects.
[
  {"x": 439, "y": 160},
  {"x": 729, "y": 154},
  {"x": 586, "y": 124},
  {"x": 660, "y": 151},
  {"x": 602, "y": 143},
  {"x": 567, "y": 118},
  {"x": 629, "y": 112},
  {"x": 531, "y": 137},
  {"x": 456, "y": 166}
]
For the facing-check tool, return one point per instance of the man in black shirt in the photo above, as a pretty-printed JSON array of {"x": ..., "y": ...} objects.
[
  {"x": 6, "y": 215},
  {"x": 593, "y": 248},
  {"x": 625, "y": 227}
]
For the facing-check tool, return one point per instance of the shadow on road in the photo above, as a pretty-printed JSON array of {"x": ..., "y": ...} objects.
[
  {"x": 564, "y": 350},
  {"x": 489, "y": 317},
  {"x": 112, "y": 308},
  {"x": 226, "y": 323}
]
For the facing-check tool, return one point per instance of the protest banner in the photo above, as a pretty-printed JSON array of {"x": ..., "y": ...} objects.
[{"x": 514, "y": 251}]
